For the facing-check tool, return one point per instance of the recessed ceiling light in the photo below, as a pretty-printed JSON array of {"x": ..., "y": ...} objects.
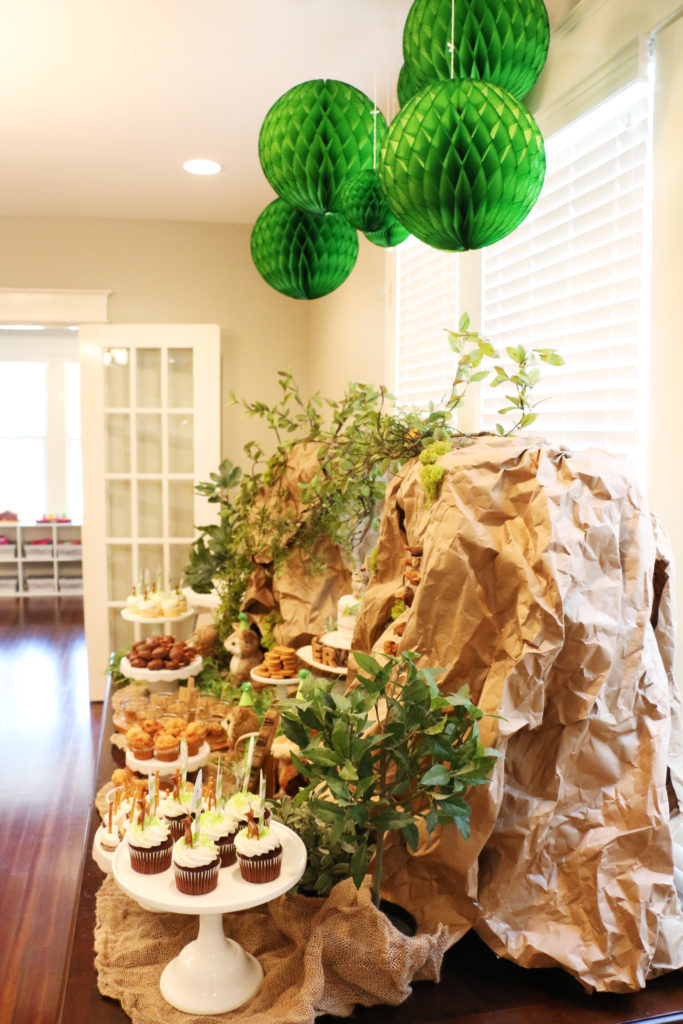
[
  {"x": 22, "y": 327},
  {"x": 202, "y": 167}
]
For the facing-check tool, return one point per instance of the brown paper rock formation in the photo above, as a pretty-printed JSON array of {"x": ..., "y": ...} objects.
[
  {"x": 305, "y": 599},
  {"x": 544, "y": 585}
]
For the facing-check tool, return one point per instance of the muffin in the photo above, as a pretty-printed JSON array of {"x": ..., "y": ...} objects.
[
  {"x": 150, "y": 845},
  {"x": 166, "y": 746},
  {"x": 221, "y": 827},
  {"x": 196, "y": 865},
  {"x": 140, "y": 743},
  {"x": 259, "y": 852},
  {"x": 194, "y": 735}
]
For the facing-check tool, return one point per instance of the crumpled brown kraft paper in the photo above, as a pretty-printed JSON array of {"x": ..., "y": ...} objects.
[
  {"x": 540, "y": 574},
  {"x": 306, "y": 599},
  {"x": 318, "y": 956}
]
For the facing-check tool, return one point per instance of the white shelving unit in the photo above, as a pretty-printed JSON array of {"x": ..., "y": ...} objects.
[{"x": 52, "y": 568}]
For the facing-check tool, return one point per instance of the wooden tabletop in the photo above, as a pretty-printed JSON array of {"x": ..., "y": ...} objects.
[{"x": 476, "y": 987}]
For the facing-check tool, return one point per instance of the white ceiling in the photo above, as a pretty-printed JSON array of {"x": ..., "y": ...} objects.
[{"x": 101, "y": 101}]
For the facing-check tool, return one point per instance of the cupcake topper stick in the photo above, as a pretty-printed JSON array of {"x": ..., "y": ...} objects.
[
  {"x": 250, "y": 758},
  {"x": 261, "y": 796},
  {"x": 176, "y": 785},
  {"x": 156, "y": 791},
  {"x": 151, "y": 785},
  {"x": 188, "y": 830},
  {"x": 111, "y": 808},
  {"x": 183, "y": 760},
  {"x": 252, "y": 825},
  {"x": 219, "y": 784},
  {"x": 195, "y": 806}
]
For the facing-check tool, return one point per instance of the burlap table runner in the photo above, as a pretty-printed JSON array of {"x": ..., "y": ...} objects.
[{"x": 318, "y": 956}]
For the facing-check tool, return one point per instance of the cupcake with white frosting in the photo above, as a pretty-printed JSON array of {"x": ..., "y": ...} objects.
[
  {"x": 150, "y": 845},
  {"x": 196, "y": 863},
  {"x": 259, "y": 852},
  {"x": 175, "y": 807},
  {"x": 221, "y": 827}
]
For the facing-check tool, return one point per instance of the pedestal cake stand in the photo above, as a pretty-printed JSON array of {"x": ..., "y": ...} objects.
[{"x": 212, "y": 974}]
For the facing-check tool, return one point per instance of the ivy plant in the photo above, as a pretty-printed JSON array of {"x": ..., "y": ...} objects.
[{"x": 388, "y": 754}]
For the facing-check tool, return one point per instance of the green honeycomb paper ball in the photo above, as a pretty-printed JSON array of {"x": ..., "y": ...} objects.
[
  {"x": 407, "y": 85},
  {"x": 303, "y": 255},
  {"x": 499, "y": 41},
  {"x": 363, "y": 203},
  {"x": 462, "y": 164},
  {"x": 314, "y": 138},
  {"x": 389, "y": 236}
]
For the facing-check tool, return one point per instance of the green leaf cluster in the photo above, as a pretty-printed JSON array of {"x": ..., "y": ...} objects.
[
  {"x": 330, "y": 845},
  {"x": 360, "y": 440},
  {"x": 388, "y": 754}
]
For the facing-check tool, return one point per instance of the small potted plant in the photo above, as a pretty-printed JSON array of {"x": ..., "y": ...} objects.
[{"x": 388, "y": 754}]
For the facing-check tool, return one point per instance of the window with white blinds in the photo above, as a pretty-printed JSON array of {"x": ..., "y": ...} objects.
[
  {"x": 574, "y": 276},
  {"x": 426, "y": 304}
]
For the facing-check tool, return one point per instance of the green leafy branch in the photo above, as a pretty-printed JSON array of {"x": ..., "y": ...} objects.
[{"x": 389, "y": 754}]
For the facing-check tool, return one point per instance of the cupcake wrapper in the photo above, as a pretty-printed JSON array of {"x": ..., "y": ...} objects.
[
  {"x": 261, "y": 869},
  {"x": 196, "y": 882},
  {"x": 177, "y": 827},
  {"x": 150, "y": 862},
  {"x": 228, "y": 854},
  {"x": 167, "y": 755}
]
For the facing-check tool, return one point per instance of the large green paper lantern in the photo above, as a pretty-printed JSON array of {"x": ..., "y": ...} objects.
[
  {"x": 317, "y": 136},
  {"x": 499, "y": 41},
  {"x": 303, "y": 255},
  {"x": 389, "y": 236},
  {"x": 462, "y": 165},
  {"x": 363, "y": 203}
]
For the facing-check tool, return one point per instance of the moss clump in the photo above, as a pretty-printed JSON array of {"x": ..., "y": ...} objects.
[
  {"x": 397, "y": 609},
  {"x": 431, "y": 453},
  {"x": 272, "y": 619},
  {"x": 430, "y": 478},
  {"x": 372, "y": 561}
]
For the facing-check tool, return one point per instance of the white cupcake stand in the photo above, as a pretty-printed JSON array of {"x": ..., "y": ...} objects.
[{"x": 212, "y": 974}]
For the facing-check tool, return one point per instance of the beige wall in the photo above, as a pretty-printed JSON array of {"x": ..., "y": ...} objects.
[
  {"x": 347, "y": 339},
  {"x": 172, "y": 272}
]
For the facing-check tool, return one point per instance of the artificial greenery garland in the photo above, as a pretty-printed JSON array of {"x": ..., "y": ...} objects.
[{"x": 359, "y": 440}]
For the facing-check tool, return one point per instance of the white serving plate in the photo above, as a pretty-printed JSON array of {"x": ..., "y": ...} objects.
[
  {"x": 130, "y": 617},
  {"x": 168, "y": 675},
  {"x": 152, "y": 764}
]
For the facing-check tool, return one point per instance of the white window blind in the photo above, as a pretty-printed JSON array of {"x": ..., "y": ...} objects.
[
  {"x": 427, "y": 303},
  {"x": 574, "y": 276}
]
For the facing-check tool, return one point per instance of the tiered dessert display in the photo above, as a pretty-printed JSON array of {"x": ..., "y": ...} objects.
[
  {"x": 279, "y": 668},
  {"x": 160, "y": 660},
  {"x": 212, "y": 974},
  {"x": 329, "y": 652},
  {"x": 151, "y": 602}
]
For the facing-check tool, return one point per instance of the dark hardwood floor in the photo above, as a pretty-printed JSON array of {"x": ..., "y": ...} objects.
[{"x": 48, "y": 740}]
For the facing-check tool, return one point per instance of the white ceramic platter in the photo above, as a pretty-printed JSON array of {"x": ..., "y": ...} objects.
[
  {"x": 168, "y": 675},
  {"x": 152, "y": 764}
]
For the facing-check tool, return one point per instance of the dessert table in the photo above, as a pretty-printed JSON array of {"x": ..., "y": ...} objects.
[{"x": 476, "y": 986}]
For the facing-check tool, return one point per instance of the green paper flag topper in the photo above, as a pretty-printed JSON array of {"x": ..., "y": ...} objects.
[
  {"x": 499, "y": 41},
  {"x": 317, "y": 136},
  {"x": 462, "y": 165},
  {"x": 303, "y": 255}
]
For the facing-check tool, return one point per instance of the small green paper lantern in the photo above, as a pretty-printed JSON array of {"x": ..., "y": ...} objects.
[
  {"x": 407, "y": 85},
  {"x": 462, "y": 164},
  {"x": 363, "y": 203},
  {"x": 317, "y": 136},
  {"x": 303, "y": 255},
  {"x": 390, "y": 236},
  {"x": 499, "y": 41}
]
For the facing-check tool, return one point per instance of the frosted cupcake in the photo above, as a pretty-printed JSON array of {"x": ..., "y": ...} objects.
[
  {"x": 150, "y": 846},
  {"x": 174, "y": 808},
  {"x": 196, "y": 863},
  {"x": 259, "y": 852},
  {"x": 221, "y": 827},
  {"x": 241, "y": 804},
  {"x": 108, "y": 833}
]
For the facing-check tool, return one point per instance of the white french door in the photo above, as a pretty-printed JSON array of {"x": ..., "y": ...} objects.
[{"x": 150, "y": 408}]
